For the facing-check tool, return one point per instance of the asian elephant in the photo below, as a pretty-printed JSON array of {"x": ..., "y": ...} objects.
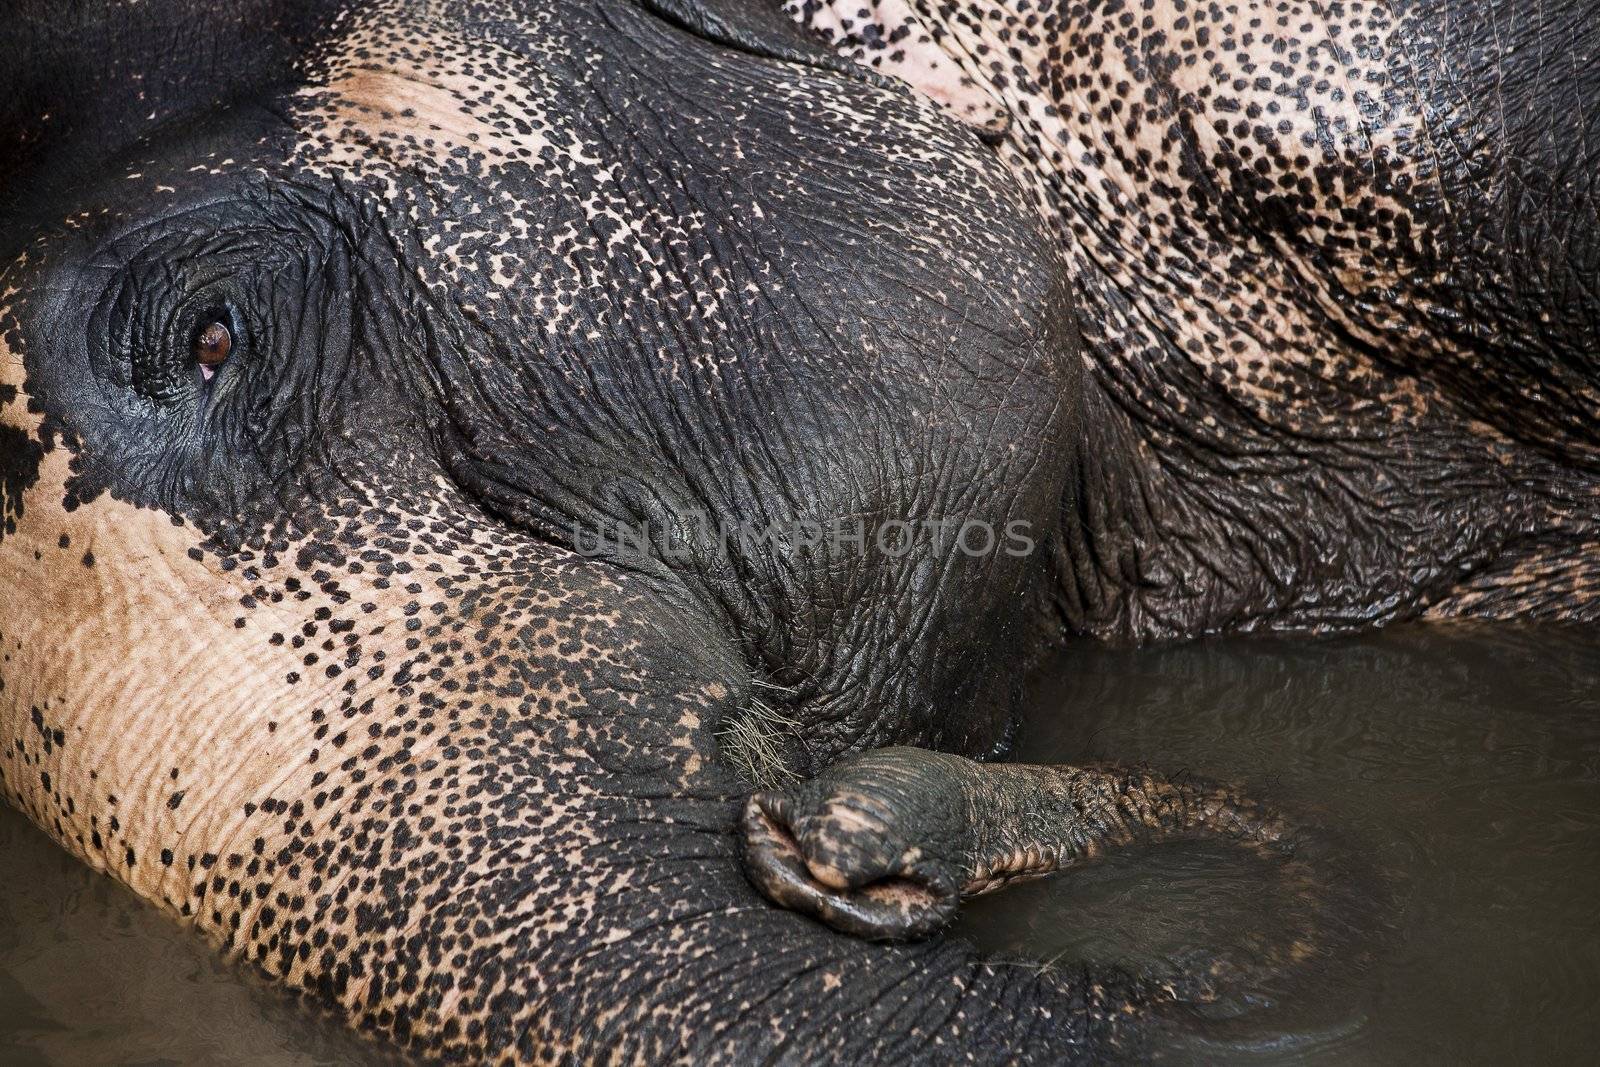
[{"x": 487, "y": 487}]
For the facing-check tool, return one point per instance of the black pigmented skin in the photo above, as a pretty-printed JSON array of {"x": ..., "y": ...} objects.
[{"x": 1227, "y": 307}]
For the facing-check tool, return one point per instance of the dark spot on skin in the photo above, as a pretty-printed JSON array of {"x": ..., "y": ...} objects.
[{"x": 20, "y": 456}]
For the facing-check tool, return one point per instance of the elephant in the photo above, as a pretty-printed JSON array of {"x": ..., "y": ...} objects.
[{"x": 524, "y": 522}]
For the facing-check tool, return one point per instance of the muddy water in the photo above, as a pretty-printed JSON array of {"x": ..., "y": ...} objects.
[
  {"x": 90, "y": 976},
  {"x": 1460, "y": 766}
]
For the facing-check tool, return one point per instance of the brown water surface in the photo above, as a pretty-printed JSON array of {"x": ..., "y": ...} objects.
[{"x": 1458, "y": 765}]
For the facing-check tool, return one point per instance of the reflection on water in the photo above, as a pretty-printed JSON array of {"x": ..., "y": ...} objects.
[
  {"x": 1459, "y": 763},
  {"x": 1463, "y": 763}
]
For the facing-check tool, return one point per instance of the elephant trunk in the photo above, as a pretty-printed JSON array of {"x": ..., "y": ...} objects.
[{"x": 884, "y": 845}]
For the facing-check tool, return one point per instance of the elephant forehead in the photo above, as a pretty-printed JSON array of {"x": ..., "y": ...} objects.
[
  {"x": 572, "y": 179},
  {"x": 400, "y": 91},
  {"x": 473, "y": 147}
]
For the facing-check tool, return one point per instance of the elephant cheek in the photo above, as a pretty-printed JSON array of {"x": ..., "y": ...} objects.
[
  {"x": 136, "y": 710},
  {"x": 115, "y": 722}
]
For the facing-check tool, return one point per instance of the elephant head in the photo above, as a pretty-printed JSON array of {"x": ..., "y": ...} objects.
[
  {"x": 463, "y": 466},
  {"x": 341, "y": 350}
]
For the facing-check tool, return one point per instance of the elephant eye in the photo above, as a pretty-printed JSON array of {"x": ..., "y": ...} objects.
[{"x": 212, "y": 344}]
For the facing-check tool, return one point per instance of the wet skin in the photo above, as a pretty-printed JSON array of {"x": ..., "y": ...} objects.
[{"x": 332, "y": 335}]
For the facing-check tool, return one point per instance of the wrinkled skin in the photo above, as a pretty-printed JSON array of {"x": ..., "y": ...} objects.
[{"x": 1258, "y": 317}]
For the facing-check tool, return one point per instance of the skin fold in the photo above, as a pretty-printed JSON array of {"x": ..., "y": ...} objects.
[{"x": 375, "y": 375}]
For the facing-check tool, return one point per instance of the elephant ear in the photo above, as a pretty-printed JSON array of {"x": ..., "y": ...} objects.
[
  {"x": 80, "y": 79},
  {"x": 890, "y": 37},
  {"x": 881, "y": 38}
]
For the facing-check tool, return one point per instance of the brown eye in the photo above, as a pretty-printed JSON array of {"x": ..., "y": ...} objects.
[{"x": 212, "y": 345}]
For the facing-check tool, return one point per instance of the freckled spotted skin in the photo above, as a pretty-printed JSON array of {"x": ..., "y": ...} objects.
[
  {"x": 1261, "y": 316},
  {"x": 1334, "y": 265}
]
